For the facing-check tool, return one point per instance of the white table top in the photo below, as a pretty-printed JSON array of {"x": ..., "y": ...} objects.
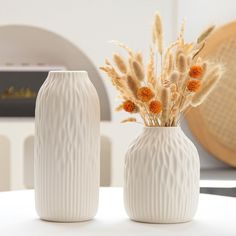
[{"x": 216, "y": 215}]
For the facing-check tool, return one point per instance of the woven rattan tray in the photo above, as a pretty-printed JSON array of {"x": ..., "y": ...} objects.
[{"x": 214, "y": 122}]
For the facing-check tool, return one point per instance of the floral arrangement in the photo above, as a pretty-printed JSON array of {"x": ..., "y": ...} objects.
[{"x": 172, "y": 81}]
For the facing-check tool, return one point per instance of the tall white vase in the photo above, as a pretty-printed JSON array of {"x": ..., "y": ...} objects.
[
  {"x": 67, "y": 148},
  {"x": 161, "y": 177}
]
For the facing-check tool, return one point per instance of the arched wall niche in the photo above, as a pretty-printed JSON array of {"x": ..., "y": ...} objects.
[{"x": 30, "y": 45}]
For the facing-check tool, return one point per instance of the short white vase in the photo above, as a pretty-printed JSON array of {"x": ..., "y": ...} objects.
[
  {"x": 161, "y": 183},
  {"x": 67, "y": 148}
]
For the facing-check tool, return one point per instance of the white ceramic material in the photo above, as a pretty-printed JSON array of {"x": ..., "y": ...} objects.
[
  {"x": 161, "y": 182},
  {"x": 67, "y": 148}
]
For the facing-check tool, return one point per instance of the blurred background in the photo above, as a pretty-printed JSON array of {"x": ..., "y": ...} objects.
[{"x": 38, "y": 36}]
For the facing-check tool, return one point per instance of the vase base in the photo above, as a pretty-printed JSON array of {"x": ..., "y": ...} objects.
[
  {"x": 180, "y": 221},
  {"x": 56, "y": 220}
]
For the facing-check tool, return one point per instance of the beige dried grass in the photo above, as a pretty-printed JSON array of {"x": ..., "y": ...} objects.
[
  {"x": 132, "y": 85},
  {"x": 138, "y": 70},
  {"x": 187, "y": 47},
  {"x": 181, "y": 63},
  {"x": 186, "y": 102},
  {"x": 174, "y": 77},
  {"x": 139, "y": 58},
  {"x": 165, "y": 99},
  {"x": 120, "y": 63},
  {"x": 131, "y": 119},
  {"x": 169, "y": 82},
  {"x": 122, "y": 45},
  {"x": 119, "y": 108},
  {"x": 197, "y": 49},
  {"x": 173, "y": 87},
  {"x": 170, "y": 66},
  {"x": 151, "y": 70},
  {"x": 189, "y": 61},
  {"x": 205, "y": 34},
  {"x": 174, "y": 96},
  {"x": 207, "y": 88},
  {"x": 182, "y": 30},
  {"x": 158, "y": 33}
]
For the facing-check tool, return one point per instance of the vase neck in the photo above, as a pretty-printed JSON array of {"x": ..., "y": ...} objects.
[
  {"x": 67, "y": 74},
  {"x": 158, "y": 130}
]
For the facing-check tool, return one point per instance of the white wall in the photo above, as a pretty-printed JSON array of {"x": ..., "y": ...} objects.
[
  {"x": 90, "y": 24},
  {"x": 201, "y": 13}
]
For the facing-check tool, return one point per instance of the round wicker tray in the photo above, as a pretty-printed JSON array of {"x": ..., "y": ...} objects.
[{"x": 214, "y": 122}]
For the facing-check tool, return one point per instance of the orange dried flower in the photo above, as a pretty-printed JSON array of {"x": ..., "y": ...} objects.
[
  {"x": 145, "y": 94},
  {"x": 196, "y": 71},
  {"x": 194, "y": 85},
  {"x": 129, "y": 106},
  {"x": 155, "y": 107}
]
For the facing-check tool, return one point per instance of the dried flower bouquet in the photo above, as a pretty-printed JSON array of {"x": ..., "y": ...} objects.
[{"x": 161, "y": 95}]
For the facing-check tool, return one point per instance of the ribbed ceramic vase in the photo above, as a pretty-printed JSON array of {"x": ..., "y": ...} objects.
[
  {"x": 161, "y": 183},
  {"x": 67, "y": 148}
]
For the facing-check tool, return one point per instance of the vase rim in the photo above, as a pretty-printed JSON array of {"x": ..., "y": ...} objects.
[
  {"x": 68, "y": 72},
  {"x": 162, "y": 127}
]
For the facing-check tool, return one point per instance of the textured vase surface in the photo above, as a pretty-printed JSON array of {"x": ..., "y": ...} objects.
[
  {"x": 67, "y": 148},
  {"x": 161, "y": 183}
]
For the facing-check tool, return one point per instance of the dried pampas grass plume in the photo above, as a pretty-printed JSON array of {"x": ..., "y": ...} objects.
[
  {"x": 151, "y": 69},
  {"x": 138, "y": 71},
  {"x": 158, "y": 33},
  {"x": 174, "y": 77},
  {"x": 173, "y": 88},
  {"x": 165, "y": 100},
  {"x": 181, "y": 33},
  {"x": 139, "y": 58},
  {"x": 204, "y": 68},
  {"x": 120, "y": 63},
  {"x": 132, "y": 85},
  {"x": 205, "y": 34},
  {"x": 119, "y": 44},
  {"x": 181, "y": 63},
  {"x": 170, "y": 63},
  {"x": 119, "y": 108}
]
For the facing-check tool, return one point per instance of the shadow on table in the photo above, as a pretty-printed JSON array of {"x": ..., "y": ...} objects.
[{"x": 96, "y": 227}]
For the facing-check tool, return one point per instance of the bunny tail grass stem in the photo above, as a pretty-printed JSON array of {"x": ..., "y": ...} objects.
[
  {"x": 138, "y": 70},
  {"x": 205, "y": 91},
  {"x": 159, "y": 33},
  {"x": 205, "y": 33},
  {"x": 132, "y": 85},
  {"x": 165, "y": 99},
  {"x": 120, "y": 63}
]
